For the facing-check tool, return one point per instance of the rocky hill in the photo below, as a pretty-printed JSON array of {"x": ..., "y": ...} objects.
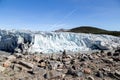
[{"x": 94, "y": 30}]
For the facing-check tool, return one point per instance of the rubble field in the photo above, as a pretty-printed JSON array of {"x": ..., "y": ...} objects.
[{"x": 103, "y": 65}]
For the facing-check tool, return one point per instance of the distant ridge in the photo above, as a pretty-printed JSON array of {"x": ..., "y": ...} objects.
[
  {"x": 87, "y": 29},
  {"x": 90, "y": 29},
  {"x": 61, "y": 30}
]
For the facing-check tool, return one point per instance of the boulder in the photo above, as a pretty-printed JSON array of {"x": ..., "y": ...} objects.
[
  {"x": 87, "y": 71},
  {"x": 74, "y": 72},
  {"x": 95, "y": 56},
  {"x": 118, "y": 50},
  {"x": 108, "y": 60},
  {"x": 16, "y": 67},
  {"x": 90, "y": 57},
  {"x": 116, "y": 54},
  {"x": 78, "y": 73},
  {"x": 2, "y": 69},
  {"x": 84, "y": 57},
  {"x": 7, "y": 63},
  {"x": 64, "y": 55},
  {"x": 53, "y": 57},
  {"x": 26, "y": 64},
  {"x": 117, "y": 73},
  {"x": 109, "y": 54},
  {"x": 106, "y": 69},
  {"x": 99, "y": 74},
  {"x": 36, "y": 59},
  {"x": 11, "y": 58},
  {"x": 90, "y": 78},
  {"x": 42, "y": 64},
  {"x": 74, "y": 61},
  {"x": 18, "y": 55},
  {"x": 116, "y": 58},
  {"x": 54, "y": 75},
  {"x": 55, "y": 64},
  {"x": 36, "y": 70}
]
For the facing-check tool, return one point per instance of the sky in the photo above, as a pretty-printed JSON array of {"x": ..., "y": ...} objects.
[{"x": 49, "y": 15}]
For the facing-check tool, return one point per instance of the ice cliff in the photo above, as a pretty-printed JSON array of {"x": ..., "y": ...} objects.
[{"x": 49, "y": 42}]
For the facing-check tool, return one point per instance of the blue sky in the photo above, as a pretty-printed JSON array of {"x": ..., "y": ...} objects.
[{"x": 48, "y": 15}]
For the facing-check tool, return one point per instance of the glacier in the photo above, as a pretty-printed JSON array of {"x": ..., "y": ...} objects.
[{"x": 53, "y": 42}]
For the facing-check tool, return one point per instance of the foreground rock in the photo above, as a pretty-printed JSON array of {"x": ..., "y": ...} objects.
[{"x": 96, "y": 66}]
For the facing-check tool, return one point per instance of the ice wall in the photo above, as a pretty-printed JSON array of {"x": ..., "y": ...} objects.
[
  {"x": 56, "y": 42},
  {"x": 49, "y": 42}
]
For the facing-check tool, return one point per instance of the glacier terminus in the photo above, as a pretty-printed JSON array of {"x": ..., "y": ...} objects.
[{"x": 53, "y": 42}]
